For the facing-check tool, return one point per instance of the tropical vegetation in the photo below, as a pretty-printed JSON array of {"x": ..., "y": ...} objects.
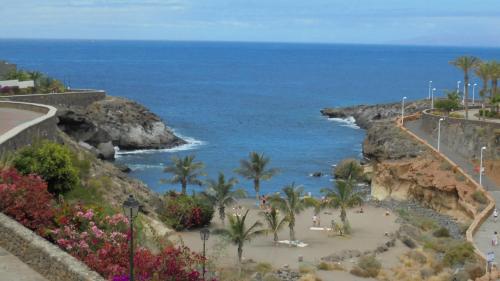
[
  {"x": 182, "y": 212},
  {"x": 220, "y": 193},
  {"x": 238, "y": 232},
  {"x": 290, "y": 205},
  {"x": 42, "y": 82},
  {"x": 343, "y": 196},
  {"x": 466, "y": 64},
  {"x": 275, "y": 222},
  {"x": 185, "y": 171},
  {"x": 255, "y": 168}
]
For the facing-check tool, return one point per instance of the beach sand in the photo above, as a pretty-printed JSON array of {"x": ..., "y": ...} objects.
[{"x": 368, "y": 230}]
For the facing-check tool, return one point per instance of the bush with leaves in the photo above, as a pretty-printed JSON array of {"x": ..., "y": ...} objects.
[
  {"x": 26, "y": 199},
  {"x": 349, "y": 169},
  {"x": 52, "y": 161},
  {"x": 184, "y": 212}
]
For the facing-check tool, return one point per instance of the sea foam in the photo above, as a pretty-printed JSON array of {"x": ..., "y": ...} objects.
[
  {"x": 349, "y": 122},
  {"x": 191, "y": 143}
]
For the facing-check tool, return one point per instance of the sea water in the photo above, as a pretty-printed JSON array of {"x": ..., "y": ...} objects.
[{"x": 228, "y": 99}]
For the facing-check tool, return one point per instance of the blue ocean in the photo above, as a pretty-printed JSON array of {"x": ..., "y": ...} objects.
[{"x": 228, "y": 99}]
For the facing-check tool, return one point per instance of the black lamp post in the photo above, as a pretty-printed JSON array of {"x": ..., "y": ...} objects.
[
  {"x": 131, "y": 209},
  {"x": 204, "y": 234}
]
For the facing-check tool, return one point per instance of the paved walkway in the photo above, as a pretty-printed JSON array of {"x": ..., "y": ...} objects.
[
  {"x": 13, "y": 269},
  {"x": 484, "y": 234},
  {"x": 472, "y": 116},
  {"x": 10, "y": 118}
]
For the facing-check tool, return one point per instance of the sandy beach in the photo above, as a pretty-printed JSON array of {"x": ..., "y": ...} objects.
[{"x": 368, "y": 231}]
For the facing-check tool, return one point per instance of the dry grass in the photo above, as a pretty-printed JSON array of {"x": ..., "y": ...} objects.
[{"x": 310, "y": 277}]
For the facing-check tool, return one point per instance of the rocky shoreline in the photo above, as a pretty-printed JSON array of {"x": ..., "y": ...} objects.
[{"x": 116, "y": 122}]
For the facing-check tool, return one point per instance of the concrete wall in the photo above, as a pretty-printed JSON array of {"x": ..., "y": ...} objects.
[
  {"x": 79, "y": 98},
  {"x": 46, "y": 258},
  {"x": 43, "y": 127},
  {"x": 465, "y": 136}
]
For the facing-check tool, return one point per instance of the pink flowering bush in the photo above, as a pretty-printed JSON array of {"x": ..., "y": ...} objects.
[
  {"x": 101, "y": 242},
  {"x": 26, "y": 199}
]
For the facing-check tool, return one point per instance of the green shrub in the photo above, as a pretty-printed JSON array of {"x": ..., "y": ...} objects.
[
  {"x": 263, "y": 267},
  {"x": 479, "y": 197},
  {"x": 441, "y": 232},
  {"x": 52, "y": 162},
  {"x": 349, "y": 168},
  {"x": 370, "y": 265},
  {"x": 324, "y": 266},
  {"x": 458, "y": 253},
  {"x": 184, "y": 212},
  {"x": 446, "y": 105}
]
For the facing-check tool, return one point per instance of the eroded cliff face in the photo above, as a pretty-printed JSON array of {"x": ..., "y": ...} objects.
[
  {"x": 404, "y": 169},
  {"x": 428, "y": 180}
]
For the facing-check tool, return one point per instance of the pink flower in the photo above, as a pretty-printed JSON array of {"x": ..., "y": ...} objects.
[
  {"x": 89, "y": 214},
  {"x": 97, "y": 232}
]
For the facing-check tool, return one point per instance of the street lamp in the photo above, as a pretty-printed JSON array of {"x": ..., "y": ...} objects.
[
  {"x": 430, "y": 86},
  {"x": 403, "y": 111},
  {"x": 473, "y": 92},
  {"x": 204, "y": 234},
  {"x": 439, "y": 132},
  {"x": 481, "y": 167},
  {"x": 432, "y": 98},
  {"x": 131, "y": 209}
]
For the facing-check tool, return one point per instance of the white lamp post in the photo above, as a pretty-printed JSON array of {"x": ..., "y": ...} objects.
[
  {"x": 473, "y": 92},
  {"x": 458, "y": 86},
  {"x": 481, "y": 167},
  {"x": 439, "y": 133},
  {"x": 430, "y": 87},
  {"x": 432, "y": 98},
  {"x": 403, "y": 111}
]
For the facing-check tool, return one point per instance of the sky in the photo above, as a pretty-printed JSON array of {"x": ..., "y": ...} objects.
[{"x": 409, "y": 22}]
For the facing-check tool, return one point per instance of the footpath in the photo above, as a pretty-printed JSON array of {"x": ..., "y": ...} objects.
[
  {"x": 483, "y": 236},
  {"x": 11, "y": 268}
]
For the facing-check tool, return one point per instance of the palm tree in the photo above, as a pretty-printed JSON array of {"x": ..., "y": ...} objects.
[
  {"x": 185, "y": 171},
  {"x": 466, "y": 64},
  {"x": 494, "y": 68},
  {"x": 238, "y": 233},
  {"x": 221, "y": 195},
  {"x": 343, "y": 196},
  {"x": 35, "y": 76},
  {"x": 292, "y": 204},
  {"x": 274, "y": 223},
  {"x": 483, "y": 72},
  {"x": 317, "y": 204},
  {"x": 349, "y": 169},
  {"x": 255, "y": 169}
]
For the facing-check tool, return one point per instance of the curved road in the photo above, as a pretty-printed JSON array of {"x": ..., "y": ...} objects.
[
  {"x": 11, "y": 268},
  {"x": 485, "y": 232},
  {"x": 10, "y": 118}
]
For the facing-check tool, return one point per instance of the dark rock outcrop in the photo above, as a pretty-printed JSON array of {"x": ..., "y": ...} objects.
[
  {"x": 366, "y": 115},
  {"x": 119, "y": 122}
]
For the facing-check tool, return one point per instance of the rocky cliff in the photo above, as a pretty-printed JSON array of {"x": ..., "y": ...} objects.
[
  {"x": 404, "y": 169},
  {"x": 116, "y": 122},
  {"x": 366, "y": 115}
]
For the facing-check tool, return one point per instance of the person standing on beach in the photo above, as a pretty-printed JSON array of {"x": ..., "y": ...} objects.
[
  {"x": 315, "y": 220},
  {"x": 494, "y": 239},
  {"x": 495, "y": 215}
]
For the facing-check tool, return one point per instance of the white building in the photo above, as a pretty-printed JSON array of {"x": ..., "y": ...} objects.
[{"x": 17, "y": 83}]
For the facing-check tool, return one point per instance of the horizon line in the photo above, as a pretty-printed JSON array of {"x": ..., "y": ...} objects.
[{"x": 254, "y": 42}]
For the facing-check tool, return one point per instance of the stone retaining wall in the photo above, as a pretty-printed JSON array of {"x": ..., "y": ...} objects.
[
  {"x": 44, "y": 257},
  {"x": 466, "y": 137},
  {"x": 77, "y": 97},
  {"x": 43, "y": 127}
]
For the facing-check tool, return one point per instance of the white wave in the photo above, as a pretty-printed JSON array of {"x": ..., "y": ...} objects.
[
  {"x": 140, "y": 167},
  {"x": 349, "y": 122},
  {"x": 191, "y": 143}
]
